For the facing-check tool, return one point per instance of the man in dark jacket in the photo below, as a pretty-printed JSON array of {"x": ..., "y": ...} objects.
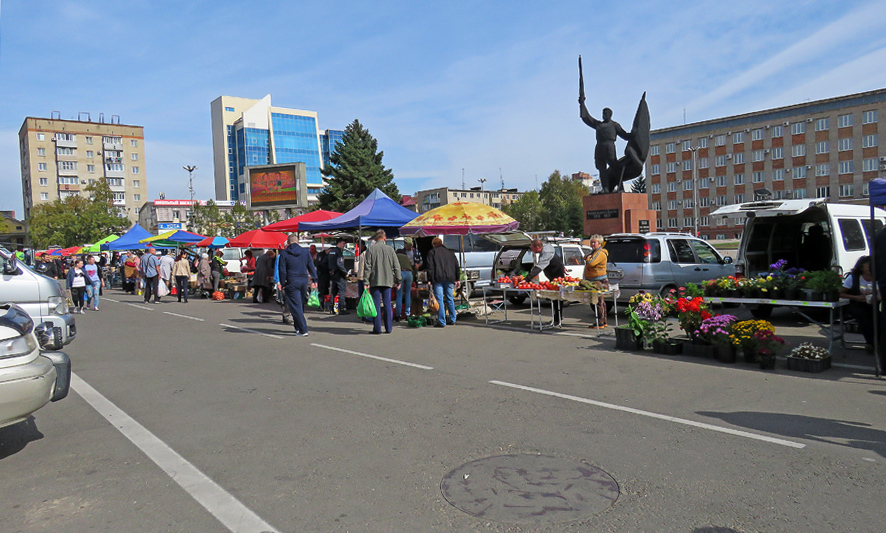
[
  {"x": 296, "y": 272},
  {"x": 443, "y": 274},
  {"x": 552, "y": 265},
  {"x": 322, "y": 265},
  {"x": 338, "y": 275}
]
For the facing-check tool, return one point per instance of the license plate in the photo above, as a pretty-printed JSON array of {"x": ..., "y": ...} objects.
[{"x": 615, "y": 274}]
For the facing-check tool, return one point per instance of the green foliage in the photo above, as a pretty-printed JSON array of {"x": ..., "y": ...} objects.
[
  {"x": 210, "y": 220},
  {"x": 823, "y": 281},
  {"x": 527, "y": 211},
  {"x": 355, "y": 169},
  {"x": 639, "y": 185},
  {"x": 77, "y": 220},
  {"x": 561, "y": 204}
]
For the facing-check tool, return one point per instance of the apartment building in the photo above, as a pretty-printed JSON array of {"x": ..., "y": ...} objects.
[
  {"x": 825, "y": 149},
  {"x": 431, "y": 198},
  {"x": 60, "y": 158}
]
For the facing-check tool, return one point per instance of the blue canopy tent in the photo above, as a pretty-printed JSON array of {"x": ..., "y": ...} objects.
[
  {"x": 130, "y": 240},
  {"x": 376, "y": 211},
  {"x": 877, "y": 192}
]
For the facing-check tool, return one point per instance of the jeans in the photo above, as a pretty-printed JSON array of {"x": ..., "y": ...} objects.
[
  {"x": 92, "y": 292},
  {"x": 443, "y": 294},
  {"x": 216, "y": 277},
  {"x": 151, "y": 288},
  {"x": 181, "y": 284},
  {"x": 338, "y": 286},
  {"x": 294, "y": 292},
  {"x": 404, "y": 293},
  {"x": 379, "y": 295}
]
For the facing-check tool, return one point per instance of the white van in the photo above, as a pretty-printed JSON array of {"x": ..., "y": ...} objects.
[{"x": 788, "y": 229}]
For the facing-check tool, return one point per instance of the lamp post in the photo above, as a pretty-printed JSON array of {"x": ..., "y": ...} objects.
[
  {"x": 191, "y": 169},
  {"x": 482, "y": 181}
]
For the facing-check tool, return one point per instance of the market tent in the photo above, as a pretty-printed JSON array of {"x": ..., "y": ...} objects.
[
  {"x": 65, "y": 251},
  {"x": 129, "y": 240},
  {"x": 259, "y": 238},
  {"x": 376, "y": 211},
  {"x": 212, "y": 242},
  {"x": 291, "y": 224},
  {"x": 96, "y": 248},
  {"x": 460, "y": 218},
  {"x": 173, "y": 238}
]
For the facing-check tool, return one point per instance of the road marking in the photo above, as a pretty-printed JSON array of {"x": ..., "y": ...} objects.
[
  {"x": 182, "y": 316},
  {"x": 684, "y": 421},
  {"x": 141, "y": 307},
  {"x": 110, "y": 299},
  {"x": 220, "y": 503},
  {"x": 251, "y": 331},
  {"x": 385, "y": 359},
  {"x": 854, "y": 367}
]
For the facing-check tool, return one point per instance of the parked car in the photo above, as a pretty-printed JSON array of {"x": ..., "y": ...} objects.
[
  {"x": 660, "y": 261},
  {"x": 783, "y": 229},
  {"x": 516, "y": 256},
  {"x": 41, "y": 297},
  {"x": 29, "y": 378},
  {"x": 479, "y": 255}
]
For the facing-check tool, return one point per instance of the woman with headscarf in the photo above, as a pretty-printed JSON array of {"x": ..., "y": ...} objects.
[{"x": 204, "y": 273}]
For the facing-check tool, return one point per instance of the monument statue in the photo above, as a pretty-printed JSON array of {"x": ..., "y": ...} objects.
[{"x": 615, "y": 171}]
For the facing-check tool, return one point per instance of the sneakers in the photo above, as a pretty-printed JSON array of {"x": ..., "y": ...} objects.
[
  {"x": 301, "y": 333},
  {"x": 96, "y": 308}
]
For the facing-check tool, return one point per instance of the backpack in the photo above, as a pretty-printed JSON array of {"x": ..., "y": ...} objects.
[{"x": 194, "y": 268}]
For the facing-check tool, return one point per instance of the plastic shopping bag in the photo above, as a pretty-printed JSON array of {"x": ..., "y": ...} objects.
[
  {"x": 314, "y": 299},
  {"x": 366, "y": 307}
]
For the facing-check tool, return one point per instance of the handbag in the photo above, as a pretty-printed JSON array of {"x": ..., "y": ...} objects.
[
  {"x": 433, "y": 304},
  {"x": 366, "y": 307}
]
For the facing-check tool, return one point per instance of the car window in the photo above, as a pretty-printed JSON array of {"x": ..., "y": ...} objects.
[
  {"x": 705, "y": 252},
  {"x": 634, "y": 251},
  {"x": 852, "y": 237},
  {"x": 476, "y": 243},
  {"x": 866, "y": 223},
  {"x": 230, "y": 254},
  {"x": 681, "y": 251},
  {"x": 572, "y": 257}
]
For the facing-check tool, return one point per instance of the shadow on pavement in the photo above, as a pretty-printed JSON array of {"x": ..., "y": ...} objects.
[
  {"x": 840, "y": 432},
  {"x": 14, "y": 438}
]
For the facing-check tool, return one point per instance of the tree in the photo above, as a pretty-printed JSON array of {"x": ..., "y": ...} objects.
[
  {"x": 77, "y": 220},
  {"x": 561, "y": 204},
  {"x": 639, "y": 185},
  {"x": 526, "y": 210},
  {"x": 354, "y": 170}
]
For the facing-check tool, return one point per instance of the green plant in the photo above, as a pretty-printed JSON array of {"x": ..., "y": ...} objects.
[
  {"x": 743, "y": 333},
  {"x": 823, "y": 281},
  {"x": 810, "y": 351}
]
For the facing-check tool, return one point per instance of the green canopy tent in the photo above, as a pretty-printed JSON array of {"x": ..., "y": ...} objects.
[{"x": 96, "y": 248}]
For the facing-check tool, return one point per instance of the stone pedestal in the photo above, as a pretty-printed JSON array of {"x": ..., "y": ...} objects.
[{"x": 621, "y": 212}]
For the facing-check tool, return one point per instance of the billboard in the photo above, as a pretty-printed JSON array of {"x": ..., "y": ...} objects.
[{"x": 277, "y": 186}]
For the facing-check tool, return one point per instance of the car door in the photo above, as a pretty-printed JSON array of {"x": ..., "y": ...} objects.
[
  {"x": 711, "y": 262},
  {"x": 684, "y": 267},
  {"x": 573, "y": 261}
]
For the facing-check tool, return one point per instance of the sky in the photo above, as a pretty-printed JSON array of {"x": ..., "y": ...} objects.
[{"x": 474, "y": 89}]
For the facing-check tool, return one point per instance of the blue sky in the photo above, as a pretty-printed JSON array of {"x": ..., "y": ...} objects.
[{"x": 488, "y": 87}]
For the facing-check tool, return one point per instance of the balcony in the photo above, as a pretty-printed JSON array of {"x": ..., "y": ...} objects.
[
  {"x": 67, "y": 171},
  {"x": 65, "y": 143},
  {"x": 112, "y": 145},
  {"x": 114, "y": 173}
]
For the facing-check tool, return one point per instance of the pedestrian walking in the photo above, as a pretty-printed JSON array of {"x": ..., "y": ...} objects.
[
  {"x": 381, "y": 271},
  {"x": 165, "y": 268},
  {"x": 77, "y": 282},
  {"x": 443, "y": 275},
  {"x": 261, "y": 280},
  {"x": 94, "y": 282},
  {"x": 150, "y": 270},
  {"x": 297, "y": 272},
  {"x": 181, "y": 272}
]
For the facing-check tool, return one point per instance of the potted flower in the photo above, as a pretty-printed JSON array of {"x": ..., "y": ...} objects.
[
  {"x": 743, "y": 337},
  {"x": 726, "y": 285},
  {"x": 826, "y": 283},
  {"x": 792, "y": 282},
  {"x": 630, "y": 337},
  {"x": 809, "y": 358},
  {"x": 711, "y": 287},
  {"x": 691, "y": 312},
  {"x": 715, "y": 332},
  {"x": 768, "y": 347},
  {"x": 658, "y": 334}
]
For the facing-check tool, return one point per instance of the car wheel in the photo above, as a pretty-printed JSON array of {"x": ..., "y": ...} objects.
[
  {"x": 666, "y": 291},
  {"x": 517, "y": 299},
  {"x": 762, "y": 312}
]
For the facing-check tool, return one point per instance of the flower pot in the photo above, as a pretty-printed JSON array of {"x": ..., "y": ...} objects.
[
  {"x": 809, "y": 365},
  {"x": 777, "y": 294},
  {"x": 626, "y": 340},
  {"x": 726, "y": 354},
  {"x": 667, "y": 347},
  {"x": 832, "y": 296},
  {"x": 791, "y": 294},
  {"x": 698, "y": 349},
  {"x": 815, "y": 296},
  {"x": 767, "y": 362},
  {"x": 750, "y": 355}
]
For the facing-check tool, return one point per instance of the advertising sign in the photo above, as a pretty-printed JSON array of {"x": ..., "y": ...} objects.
[
  {"x": 277, "y": 186},
  {"x": 169, "y": 225}
]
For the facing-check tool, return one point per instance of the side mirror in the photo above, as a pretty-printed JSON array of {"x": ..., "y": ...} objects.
[
  {"x": 10, "y": 267},
  {"x": 727, "y": 260}
]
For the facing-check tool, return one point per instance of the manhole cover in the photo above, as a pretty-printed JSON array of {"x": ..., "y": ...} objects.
[{"x": 529, "y": 488}]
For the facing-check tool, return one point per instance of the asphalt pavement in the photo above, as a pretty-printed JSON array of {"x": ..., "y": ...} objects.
[{"x": 213, "y": 416}]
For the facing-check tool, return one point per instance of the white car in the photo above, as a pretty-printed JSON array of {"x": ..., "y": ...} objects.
[{"x": 29, "y": 379}]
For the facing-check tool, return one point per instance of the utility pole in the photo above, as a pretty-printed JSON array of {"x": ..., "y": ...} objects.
[
  {"x": 501, "y": 178},
  {"x": 695, "y": 187},
  {"x": 191, "y": 169},
  {"x": 462, "y": 179}
]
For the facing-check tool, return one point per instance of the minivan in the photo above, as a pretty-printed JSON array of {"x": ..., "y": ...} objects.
[
  {"x": 40, "y": 296},
  {"x": 789, "y": 229}
]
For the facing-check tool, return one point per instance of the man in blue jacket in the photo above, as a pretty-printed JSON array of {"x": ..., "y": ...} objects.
[{"x": 296, "y": 272}]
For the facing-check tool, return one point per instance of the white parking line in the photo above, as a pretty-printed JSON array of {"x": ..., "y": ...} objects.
[
  {"x": 385, "y": 359},
  {"x": 110, "y": 299},
  {"x": 251, "y": 331},
  {"x": 225, "y": 508},
  {"x": 183, "y": 316},
  {"x": 684, "y": 421},
  {"x": 141, "y": 307}
]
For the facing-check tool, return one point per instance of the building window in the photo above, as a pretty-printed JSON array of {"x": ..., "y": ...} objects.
[
  {"x": 869, "y": 141},
  {"x": 41, "y": 151},
  {"x": 721, "y": 181},
  {"x": 672, "y": 222},
  {"x": 798, "y": 150},
  {"x": 67, "y": 165},
  {"x": 778, "y": 174},
  {"x": 67, "y": 180},
  {"x": 739, "y": 199},
  {"x": 864, "y": 189},
  {"x": 704, "y": 183},
  {"x": 41, "y": 137},
  {"x": 738, "y": 158},
  {"x": 672, "y": 205},
  {"x": 798, "y": 127},
  {"x": 822, "y": 147},
  {"x": 869, "y": 117},
  {"x": 137, "y": 197},
  {"x": 119, "y": 196},
  {"x": 670, "y": 148},
  {"x": 847, "y": 167},
  {"x": 799, "y": 173},
  {"x": 844, "y": 121},
  {"x": 133, "y": 156},
  {"x": 90, "y": 154},
  {"x": 656, "y": 169},
  {"x": 759, "y": 155},
  {"x": 688, "y": 221},
  {"x": 821, "y": 124},
  {"x": 738, "y": 138},
  {"x": 687, "y": 165},
  {"x": 720, "y": 140},
  {"x": 672, "y": 167},
  {"x": 90, "y": 168},
  {"x": 656, "y": 206},
  {"x": 44, "y": 181},
  {"x": 672, "y": 186},
  {"x": 721, "y": 200},
  {"x": 44, "y": 196},
  {"x": 41, "y": 166},
  {"x": 777, "y": 131},
  {"x": 135, "y": 170},
  {"x": 133, "y": 142},
  {"x": 687, "y": 145},
  {"x": 703, "y": 162},
  {"x": 823, "y": 192},
  {"x": 702, "y": 142},
  {"x": 759, "y": 177},
  {"x": 688, "y": 203},
  {"x": 846, "y": 191},
  {"x": 845, "y": 144},
  {"x": 778, "y": 153},
  {"x": 88, "y": 140},
  {"x": 704, "y": 222},
  {"x": 656, "y": 188},
  {"x": 738, "y": 179},
  {"x": 687, "y": 185},
  {"x": 721, "y": 161},
  {"x": 63, "y": 150},
  {"x": 869, "y": 164},
  {"x": 757, "y": 134},
  {"x": 655, "y": 150},
  {"x": 823, "y": 169},
  {"x": 136, "y": 184}
]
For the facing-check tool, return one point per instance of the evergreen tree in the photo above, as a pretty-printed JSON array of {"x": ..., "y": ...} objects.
[
  {"x": 355, "y": 169},
  {"x": 639, "y": 185},
  {"x": 77, "y": 220}
]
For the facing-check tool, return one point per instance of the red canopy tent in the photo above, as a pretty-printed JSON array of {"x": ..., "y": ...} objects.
[
  {"x": 291, "y": 224},
  {"x": 259, "y": 238}
]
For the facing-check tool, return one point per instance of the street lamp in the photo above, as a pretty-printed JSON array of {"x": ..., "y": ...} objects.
[{"x": 482, "y": 181}]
